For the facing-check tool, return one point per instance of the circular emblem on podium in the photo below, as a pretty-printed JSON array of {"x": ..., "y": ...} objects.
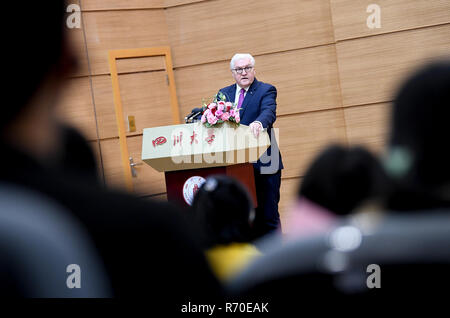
[{"x": 190, "y": 187}]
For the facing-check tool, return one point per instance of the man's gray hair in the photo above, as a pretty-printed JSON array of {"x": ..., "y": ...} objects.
[{"x": 240, "y": 56}]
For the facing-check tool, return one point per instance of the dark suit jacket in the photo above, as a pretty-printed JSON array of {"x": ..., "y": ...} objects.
[{"x": 260, "y": 105}]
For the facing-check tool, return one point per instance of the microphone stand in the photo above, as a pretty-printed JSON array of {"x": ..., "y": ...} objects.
[{"x": 188, "y": 119}]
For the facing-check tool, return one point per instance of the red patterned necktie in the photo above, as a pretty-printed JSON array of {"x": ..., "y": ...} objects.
[{"x": 241, "y": 98}]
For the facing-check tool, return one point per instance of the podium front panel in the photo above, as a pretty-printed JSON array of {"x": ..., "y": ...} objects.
[{"x": 181, "y": 185}]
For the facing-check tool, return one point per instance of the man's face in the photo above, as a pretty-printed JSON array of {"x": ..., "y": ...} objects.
[{"x": 245, "y": 79}]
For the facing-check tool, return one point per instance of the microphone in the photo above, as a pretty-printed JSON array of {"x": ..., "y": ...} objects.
[{"x": 194, "y": 113}]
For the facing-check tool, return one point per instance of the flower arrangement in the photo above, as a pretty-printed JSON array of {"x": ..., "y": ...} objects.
[{"x": 219, "y": 111}]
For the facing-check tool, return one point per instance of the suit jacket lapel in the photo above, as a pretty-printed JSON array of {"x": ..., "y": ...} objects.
[
  {"x": 230, "y": 93},
  {"x": 248, "y": 97}
]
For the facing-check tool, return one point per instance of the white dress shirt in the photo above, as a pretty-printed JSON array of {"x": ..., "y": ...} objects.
[{"x": 238, "y": 92}]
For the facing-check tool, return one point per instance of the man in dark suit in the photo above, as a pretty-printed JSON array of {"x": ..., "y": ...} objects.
[{"x": 257, "y": 103}]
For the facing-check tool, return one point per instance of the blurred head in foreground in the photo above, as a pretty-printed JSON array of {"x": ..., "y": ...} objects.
[
  {"x": 418, "y": 159},
  {"x": 38, "y": 67},
  {"x": 341, "y": 178},
  {"x": 338, "y": 181},
  {"x": 39, "y": 60},
  {"x": 224, "y": 211}
]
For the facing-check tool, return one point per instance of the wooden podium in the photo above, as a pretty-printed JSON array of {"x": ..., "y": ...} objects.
[{"x": 189, "y": 153}]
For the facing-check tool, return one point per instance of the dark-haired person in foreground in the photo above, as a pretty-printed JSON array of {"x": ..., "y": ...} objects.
[
  {"x": 417, "y": 158},
  {"x": 339, "y": 180},
  {"x": 224, "y": 213},
  {"x": 146, "y": 248}
]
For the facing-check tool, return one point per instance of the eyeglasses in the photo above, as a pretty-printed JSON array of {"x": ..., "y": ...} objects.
[{"x": 240, "y": 70}]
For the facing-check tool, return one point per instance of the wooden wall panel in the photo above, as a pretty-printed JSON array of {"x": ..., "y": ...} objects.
[
  {"x": 76, "y": 106},
  {"x": 368, "y": 125},
  {"x": 195, "y": 83},
  {"x": 104, "y": 106},
  {"x": 349, "y": 16},
  {"x": 288, "y": 193},
  {"x": 144, "y": 95},
  {"x": 90, "y": 5},
  {"x": 112, "y": 164},
  {"x": 172, "y": 3},
  {"x": 371, "y": 68},
  {"x": 111, "y": 30},
  {"x": 303, "y": 135},
  {"x": 78, "y": 48},
  {"x": 215, "y": 30},
  {"x": 148, "y": 180},
  {"x": 305, "y": 79}
]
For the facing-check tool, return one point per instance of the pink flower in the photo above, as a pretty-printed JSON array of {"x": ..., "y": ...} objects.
[
  {"x": 219, "y": 113},
  {"x": 237, "y": 117},
  {"x": 212, "y": 105},
  {"x": 225, "y": 116},
  {"x": 232, "y": 112},
  {"x": 221, "y": 106},
  {"x": 203, "y": 118},
  {"x": 211, "y": 119}
]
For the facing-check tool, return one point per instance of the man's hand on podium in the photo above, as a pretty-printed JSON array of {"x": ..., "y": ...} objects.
[{"x": 256, "y": 128}]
